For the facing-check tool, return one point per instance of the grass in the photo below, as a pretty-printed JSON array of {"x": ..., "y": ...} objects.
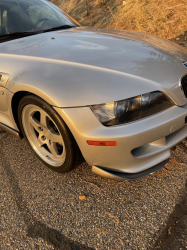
[{"x": 164, "y": 18}]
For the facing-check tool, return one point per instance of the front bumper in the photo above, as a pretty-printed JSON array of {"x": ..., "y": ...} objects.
[{"x": 140, "y": 145}]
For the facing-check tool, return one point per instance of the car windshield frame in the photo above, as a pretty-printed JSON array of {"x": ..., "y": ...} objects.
[{"x": 21, "y": 18}]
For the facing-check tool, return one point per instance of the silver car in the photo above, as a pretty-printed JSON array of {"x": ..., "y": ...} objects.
[{"x": 117, "y": 98}]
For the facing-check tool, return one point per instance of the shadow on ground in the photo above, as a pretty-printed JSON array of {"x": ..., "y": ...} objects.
[
  {"x": 35, "y": 228},
  {"x": 172, "y": 237}
]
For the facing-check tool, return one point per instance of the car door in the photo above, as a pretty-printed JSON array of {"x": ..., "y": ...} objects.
[{"x": 4, "y": 77}]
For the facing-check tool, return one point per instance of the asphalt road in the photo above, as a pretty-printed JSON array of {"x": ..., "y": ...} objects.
[{"x": 40, "y": 209}]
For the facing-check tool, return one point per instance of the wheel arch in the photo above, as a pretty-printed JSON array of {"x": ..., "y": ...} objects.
[
  {"x": 14, "y": 105},
  {"x": 19, "y": 94}
]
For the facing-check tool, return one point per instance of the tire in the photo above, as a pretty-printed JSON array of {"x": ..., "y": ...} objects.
[{"x": 47, "y": 134}]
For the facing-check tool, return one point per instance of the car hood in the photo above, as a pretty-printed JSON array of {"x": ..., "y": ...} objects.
[{"x": 122, "y": 55}]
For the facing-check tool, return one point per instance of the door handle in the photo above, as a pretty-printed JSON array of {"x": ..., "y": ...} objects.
[{"x": 3, "y": 79}]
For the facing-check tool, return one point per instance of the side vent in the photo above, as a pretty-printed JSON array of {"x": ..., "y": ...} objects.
[{"x": 3, "y": 79}]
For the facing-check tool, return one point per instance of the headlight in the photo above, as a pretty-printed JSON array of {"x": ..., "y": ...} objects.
[{"x": 115, "y": 113}]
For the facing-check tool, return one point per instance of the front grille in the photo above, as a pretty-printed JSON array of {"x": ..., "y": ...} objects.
[{"x": 184, "y": 85}]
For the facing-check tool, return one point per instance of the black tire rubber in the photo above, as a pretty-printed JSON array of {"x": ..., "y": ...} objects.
[{"x": 73, "y": 154}]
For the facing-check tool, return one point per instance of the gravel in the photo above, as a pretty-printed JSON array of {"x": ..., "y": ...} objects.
[{"x": 41, "y": 209}]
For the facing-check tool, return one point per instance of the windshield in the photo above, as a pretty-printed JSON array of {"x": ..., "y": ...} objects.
[{"x": 18, "y": 16}]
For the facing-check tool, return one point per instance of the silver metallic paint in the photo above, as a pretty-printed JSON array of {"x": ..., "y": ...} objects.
[
  {"x": 84, "y": 126},
  {"x": 85, "y": 66},
  {"x": 93, "y": 64}
]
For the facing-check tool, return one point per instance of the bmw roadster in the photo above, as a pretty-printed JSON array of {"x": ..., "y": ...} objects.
[{"x": 117, "y": 98}]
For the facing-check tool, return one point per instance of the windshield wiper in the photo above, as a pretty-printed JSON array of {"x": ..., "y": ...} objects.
[
  {"x": 30, "y": 33},
  {"x": 18, "y": 34},
  {"x": 59, "y": 28}
]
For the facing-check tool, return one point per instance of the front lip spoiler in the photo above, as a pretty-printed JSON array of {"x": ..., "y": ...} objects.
[{"x": 119, "y": 176}]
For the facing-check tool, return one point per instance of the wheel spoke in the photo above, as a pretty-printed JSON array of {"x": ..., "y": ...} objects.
[
  {"x": 35, "y": 124},
  {"x": 40, "y": 142},
  {"x": 44, "y": 135},
  {"x": 43, "y": 119},
  {"x": 57, "y": 138},
  {"x": 53, "y": 150}
]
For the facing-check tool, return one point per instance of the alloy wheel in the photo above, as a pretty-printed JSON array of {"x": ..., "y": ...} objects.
[{"x": 43, "y": 135}]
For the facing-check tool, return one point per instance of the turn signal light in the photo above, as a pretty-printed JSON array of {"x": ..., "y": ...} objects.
[{"x": 102, "y": 143}]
